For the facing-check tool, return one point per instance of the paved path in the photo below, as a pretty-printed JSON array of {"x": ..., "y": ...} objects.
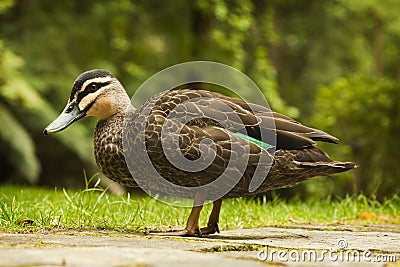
[{"x": 345, "y": 246}]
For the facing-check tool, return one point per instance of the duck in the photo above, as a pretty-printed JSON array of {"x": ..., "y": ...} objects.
[{"x": 195, "y": 144}]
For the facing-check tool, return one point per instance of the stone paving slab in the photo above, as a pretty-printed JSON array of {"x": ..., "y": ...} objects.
[
  {"x": 316, "y": 239},
  {"x": 242, "y": 247},
  {"x": 122, "y": 256}
]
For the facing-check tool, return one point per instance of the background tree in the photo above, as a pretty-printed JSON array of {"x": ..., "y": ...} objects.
[{"x": 332, "y": 64}]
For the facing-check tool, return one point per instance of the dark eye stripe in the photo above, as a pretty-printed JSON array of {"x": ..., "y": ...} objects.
[{"x": 89, "y": 89}]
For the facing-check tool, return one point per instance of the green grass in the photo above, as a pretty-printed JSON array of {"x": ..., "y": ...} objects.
[{"x": 34, "y": 209}]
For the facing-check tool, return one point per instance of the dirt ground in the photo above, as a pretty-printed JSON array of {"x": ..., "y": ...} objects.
[{"x": 377, "y": 245}]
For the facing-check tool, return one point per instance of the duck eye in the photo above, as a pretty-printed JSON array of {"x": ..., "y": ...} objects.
[{"x": 93, "y": 86}]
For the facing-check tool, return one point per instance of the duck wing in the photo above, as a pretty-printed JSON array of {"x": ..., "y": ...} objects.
[
  {"x": 257, "y": 119},
  {"x": 200, "y": 123}
]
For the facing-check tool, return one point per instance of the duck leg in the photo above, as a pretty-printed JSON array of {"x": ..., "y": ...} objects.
[
  {"x": 192, "y": 225},
  {"x": 212, "y": 225}
]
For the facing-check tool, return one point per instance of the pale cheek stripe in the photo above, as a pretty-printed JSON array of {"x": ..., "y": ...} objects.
[{"x": 89, "y": 99}]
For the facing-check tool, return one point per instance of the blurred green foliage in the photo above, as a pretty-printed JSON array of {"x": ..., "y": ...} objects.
[
  {"x": 333, "y": 65},
  {"x": 16, "y": 93},
  {"x": 366, "y": 116}
]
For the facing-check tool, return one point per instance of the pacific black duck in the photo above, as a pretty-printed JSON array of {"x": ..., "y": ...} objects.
[{"x": 122, "y": 131}]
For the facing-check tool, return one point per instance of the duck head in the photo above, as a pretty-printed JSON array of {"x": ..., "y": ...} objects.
[{"x": 95, "y": 93}]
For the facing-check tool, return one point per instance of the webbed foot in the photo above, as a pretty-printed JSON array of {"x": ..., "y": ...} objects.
[{"x": 210, "y": 229}]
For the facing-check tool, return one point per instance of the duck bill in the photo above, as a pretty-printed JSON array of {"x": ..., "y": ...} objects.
[{"x": 65, "y": 119}]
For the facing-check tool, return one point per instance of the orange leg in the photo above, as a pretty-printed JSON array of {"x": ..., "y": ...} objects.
[
  {"x": 212, "y": 225},
  {"x": 192, "y": 225}
]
